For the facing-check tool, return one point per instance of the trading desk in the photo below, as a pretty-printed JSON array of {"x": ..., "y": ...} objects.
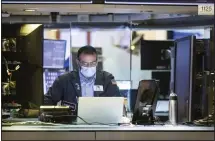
[{"x": 106, "y": 132}]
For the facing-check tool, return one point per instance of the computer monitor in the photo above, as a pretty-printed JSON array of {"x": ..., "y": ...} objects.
[
  {"x": 125, "y": 91},
  {"x": 156, "y": 2},
  {"x": 54, "y": 53},
  {"x": 162, "y": 108},
  {"x": 184, "y": 76},
  {"x": 155, "y": 55},
  {"x": 124, "y": 87},
  {"x": 49, "y": 77}
]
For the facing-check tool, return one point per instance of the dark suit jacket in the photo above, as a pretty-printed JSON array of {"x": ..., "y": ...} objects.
[{"x": 67, "y": 88}]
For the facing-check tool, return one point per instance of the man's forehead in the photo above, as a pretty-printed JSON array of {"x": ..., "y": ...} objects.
[{"x": 88, "y": 57}]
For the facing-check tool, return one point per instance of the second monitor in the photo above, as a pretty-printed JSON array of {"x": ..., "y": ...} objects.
[{"x": 155, "y": 55}]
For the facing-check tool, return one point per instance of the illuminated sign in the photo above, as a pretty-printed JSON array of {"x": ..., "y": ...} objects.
[
  {"x": 158, "y": 2},
  {"x": 46, "y": 1}
]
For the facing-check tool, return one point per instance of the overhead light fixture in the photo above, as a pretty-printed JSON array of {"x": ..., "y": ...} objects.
[
  {"x": 29, "y": 10},
  {"x": 132, "y": 47}
]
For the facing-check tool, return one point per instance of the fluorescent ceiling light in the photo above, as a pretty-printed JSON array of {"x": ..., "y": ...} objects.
[
  {"x": 47, "y": 2},
  {"x": 29, "y": 10}
]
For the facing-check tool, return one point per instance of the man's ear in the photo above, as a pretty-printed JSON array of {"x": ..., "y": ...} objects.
[{"x": 77, "y": 62}]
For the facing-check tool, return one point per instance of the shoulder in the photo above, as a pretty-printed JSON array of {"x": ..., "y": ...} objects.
[
  {"x": 105, "y": 74},
  {"x": 68, "y": 75}
]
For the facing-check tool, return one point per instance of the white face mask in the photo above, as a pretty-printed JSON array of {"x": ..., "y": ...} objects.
[{"x": 88, "y": 71}]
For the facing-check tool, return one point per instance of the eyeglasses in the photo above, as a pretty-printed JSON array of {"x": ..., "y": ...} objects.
[{"x": 88, "y": 64}]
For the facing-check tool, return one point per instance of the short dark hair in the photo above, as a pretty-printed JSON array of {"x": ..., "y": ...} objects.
[{"x": 87, "y": 50}]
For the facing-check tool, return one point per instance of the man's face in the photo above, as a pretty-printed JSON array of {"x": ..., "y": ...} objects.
[{"x": 87, "y": 60}]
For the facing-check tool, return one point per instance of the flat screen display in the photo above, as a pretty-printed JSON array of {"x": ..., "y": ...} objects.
[
  {"x": 54, "y": 54},
  {"x": 167, "y": 2},
  {"x": 183, "y": 78},
  {"x": 124, "y": 87},
  {"x": 198, "y": 33},
  {"x": 47, "y": 1},
  {"x": 49, "y": 77},
  {"x": 155, "y": 55}
]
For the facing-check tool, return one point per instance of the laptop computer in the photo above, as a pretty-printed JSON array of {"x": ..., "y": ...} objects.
[{"x": 100, "y": 110}]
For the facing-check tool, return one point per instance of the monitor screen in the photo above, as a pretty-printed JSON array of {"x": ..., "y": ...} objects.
[
  {"x": 47, "y": 1},
  {"x": 183, "y": 76},
  {"x": 198, "y": 33},
  {"x": 124, "y": 87},
  {"x": 162, "y": 106},
  {"x": 49, "y": 77},
  {"x": 167, "y": 2},
  {"x": 54, "y": 54},
  {"x": 124, "y": 84},
  {"x": 155, "y": 55}
]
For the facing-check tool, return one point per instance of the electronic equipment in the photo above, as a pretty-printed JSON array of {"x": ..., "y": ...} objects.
[
  {"x": 164, "y": 81},
  {"x": 156, "y": 2},
  {"x": 198, "y": 33},
  {"x": 100, "y": 110},
  {"x": 54, "y": 54},
  {"x": 159, "y": 52},
  {"x": 188, "y": 80},
  {"x": 124, "y": 87},
  {"x": 183, "y": 81},
  {"x": 132, "y": 99},
  {"x": 56, "y": 114},
  {"x": 47, "y": 1},
  {"x": 162, "y": 108},
  {"x": 145, "y": 106},
  {"x": 49, "y": 76}
]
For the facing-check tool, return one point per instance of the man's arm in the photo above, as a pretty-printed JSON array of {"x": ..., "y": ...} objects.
[
  {"x": 54, "y": 93},
  {"x": 112, "y": 88}
]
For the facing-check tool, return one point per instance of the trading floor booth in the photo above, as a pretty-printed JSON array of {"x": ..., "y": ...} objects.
[{"x": 150, "y": 48}]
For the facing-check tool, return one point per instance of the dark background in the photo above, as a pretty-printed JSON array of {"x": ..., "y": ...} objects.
[{"x": 29, "y": 84}]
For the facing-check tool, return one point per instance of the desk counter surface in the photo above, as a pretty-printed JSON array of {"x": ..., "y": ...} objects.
[
  {"x": 97, "y": 128},
  {"x": 106, "y": 132}
]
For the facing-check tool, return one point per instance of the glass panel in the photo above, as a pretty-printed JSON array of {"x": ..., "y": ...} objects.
[
  {"x": 138, "y": 74},
  {"x": 112, "y": 44},
  {"x": 56, "y": 52}
]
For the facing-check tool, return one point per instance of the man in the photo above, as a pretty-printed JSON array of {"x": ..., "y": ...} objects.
[{"x": 87, "y": 81}]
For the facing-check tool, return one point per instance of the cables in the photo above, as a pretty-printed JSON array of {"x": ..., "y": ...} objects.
[
  {"x": 9, "y": 84},
  {"x": 88, "y": 123}
]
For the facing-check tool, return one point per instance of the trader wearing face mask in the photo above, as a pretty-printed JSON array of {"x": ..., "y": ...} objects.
[{"x": 87, "y": 81}]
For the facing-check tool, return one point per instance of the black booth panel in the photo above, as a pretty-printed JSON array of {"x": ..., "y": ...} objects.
[{"x": 29, "y": 84}]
